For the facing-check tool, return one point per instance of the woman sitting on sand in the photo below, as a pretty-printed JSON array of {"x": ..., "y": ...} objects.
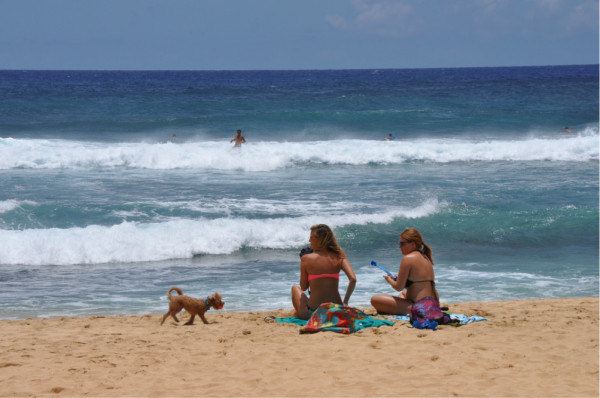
[
  {"x": 415, "y": 275},
  {"x": 320, "y": 271}
]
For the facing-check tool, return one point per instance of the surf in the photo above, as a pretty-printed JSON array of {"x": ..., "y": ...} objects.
[
  {"x": 16, "y": 153},
  {"x": 177, "y": 238}
]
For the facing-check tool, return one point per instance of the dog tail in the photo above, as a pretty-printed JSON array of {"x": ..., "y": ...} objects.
[{"x": 174, "y": 289}]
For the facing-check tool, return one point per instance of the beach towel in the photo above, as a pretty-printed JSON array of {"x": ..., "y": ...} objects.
[
  {"x": 291, "y": 319},
  {"x": 330, "y": 317}
]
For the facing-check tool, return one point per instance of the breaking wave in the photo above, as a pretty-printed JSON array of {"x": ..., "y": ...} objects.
[
  {"x": 178, "y": 238},
  {"x": 266, "y": 156}
]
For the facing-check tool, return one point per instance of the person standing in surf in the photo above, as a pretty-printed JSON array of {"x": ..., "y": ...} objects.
[{"x": 239, "y": 139}]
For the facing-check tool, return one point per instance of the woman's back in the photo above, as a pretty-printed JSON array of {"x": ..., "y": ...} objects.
[
  {"x": 320, "y": 272},
  {"x": 323, "y": 277},
  {"x": 420, "y": 282}
]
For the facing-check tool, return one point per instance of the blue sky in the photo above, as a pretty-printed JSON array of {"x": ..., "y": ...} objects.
[{"x": 286, "y": 34}]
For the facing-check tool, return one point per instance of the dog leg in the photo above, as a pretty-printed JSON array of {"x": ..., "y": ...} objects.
[
  {"x": 203, "y": 319},
  {"x": 174, "y": 316},
  {"x": 191, "y": 321},
  {"x": 164, "y": 317}
]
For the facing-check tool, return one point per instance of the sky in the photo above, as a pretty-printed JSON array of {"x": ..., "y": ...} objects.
[{"x": 291, "y": 34}]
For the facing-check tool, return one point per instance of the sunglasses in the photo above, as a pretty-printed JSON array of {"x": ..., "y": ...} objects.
[{"x": 402, "y": 243}]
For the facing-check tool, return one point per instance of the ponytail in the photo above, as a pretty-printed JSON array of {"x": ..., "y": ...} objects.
[
  {"x": 413, "y": 235},
  {"x": 426, "y": 251}
]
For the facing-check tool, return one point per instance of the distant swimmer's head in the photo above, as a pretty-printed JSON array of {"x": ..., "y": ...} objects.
[
  {"x": 411, "y": 240},
  {"x": 239, "y": 132},
  {"x": 322, "y": 238}
]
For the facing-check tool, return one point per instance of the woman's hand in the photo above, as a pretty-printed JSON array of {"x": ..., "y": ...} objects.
[{"x": 389, "y": 279}]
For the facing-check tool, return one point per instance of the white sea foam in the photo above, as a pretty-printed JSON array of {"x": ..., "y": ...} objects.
[
  {"x": 12, "y": 204},
  {"x": 265, "y": 206},
  {"x": 465, "y": 285},
  {"x": 265, "y": 156},
  {"x": 179, "y": 238}
]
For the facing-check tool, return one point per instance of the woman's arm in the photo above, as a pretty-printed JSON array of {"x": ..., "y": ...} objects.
[
  {"x": 347, "y": 267},
  {"x": 303, "y": 273},
  {"x": 402, "y": 277}
]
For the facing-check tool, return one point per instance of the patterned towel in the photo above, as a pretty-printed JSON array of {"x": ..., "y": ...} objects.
[{"x": 341, "y": 319}]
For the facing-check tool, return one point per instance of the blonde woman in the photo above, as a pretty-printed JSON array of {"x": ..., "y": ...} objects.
[
  {"x": 415, "y": 275},
  {"x": 320, "y": 271}
]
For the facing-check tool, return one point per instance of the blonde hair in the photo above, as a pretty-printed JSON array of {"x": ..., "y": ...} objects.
[
  {"x": 413, "y": 235},
  {"x": 327, "y": 240}
]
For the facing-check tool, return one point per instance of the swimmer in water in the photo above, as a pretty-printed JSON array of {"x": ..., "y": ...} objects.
[{"x": 239, "y": 139}]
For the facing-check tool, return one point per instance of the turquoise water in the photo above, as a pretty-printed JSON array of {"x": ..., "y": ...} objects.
[{"x": 100, "y": 215}]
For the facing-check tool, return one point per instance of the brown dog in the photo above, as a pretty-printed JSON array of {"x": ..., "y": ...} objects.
[{"x": 191, "y": 305}]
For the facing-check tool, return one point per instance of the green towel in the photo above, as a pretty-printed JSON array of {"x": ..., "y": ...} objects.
[{"x": 292, "y": 319}]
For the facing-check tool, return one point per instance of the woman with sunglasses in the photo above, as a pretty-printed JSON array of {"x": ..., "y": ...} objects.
[{"x": 415, "y": 280}]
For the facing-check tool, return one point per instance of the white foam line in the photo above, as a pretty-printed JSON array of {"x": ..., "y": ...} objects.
[
  {"x": 262, "y": 206},
  {"x": 180, "y": 238},
  {"x": 12, "y": 204},
  {"x": 265, "y": 156}
]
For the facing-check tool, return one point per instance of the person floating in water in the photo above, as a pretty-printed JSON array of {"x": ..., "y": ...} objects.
[
  {"x": 173, "y": 138},
  {"x": 389, "y": 137},
  {"x": 567, "y": 130},
  {"x": 239, "y": 139}
]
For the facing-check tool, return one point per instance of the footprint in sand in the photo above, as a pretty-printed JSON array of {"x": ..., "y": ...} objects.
[{"x": 7, "y": 364}]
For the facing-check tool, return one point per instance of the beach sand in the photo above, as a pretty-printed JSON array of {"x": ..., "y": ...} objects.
[{"x": 526, "y": 348}]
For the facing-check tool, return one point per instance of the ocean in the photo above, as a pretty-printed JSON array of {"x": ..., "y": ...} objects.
[{"x": 100, "y": 213}]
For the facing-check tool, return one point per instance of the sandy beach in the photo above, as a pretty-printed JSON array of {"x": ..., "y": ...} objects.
[{"x": 526, "y": 348}]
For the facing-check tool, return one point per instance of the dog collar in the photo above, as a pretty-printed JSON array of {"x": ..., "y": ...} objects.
[{"x": 207, "y": 303}]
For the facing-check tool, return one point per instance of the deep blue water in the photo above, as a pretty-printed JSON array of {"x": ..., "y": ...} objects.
[
  {"x": 297, "y": 105},
  {"x": 100, "y": 214}
]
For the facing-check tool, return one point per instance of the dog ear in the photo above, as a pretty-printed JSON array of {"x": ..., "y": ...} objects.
[{"x": 218, "y": 302}]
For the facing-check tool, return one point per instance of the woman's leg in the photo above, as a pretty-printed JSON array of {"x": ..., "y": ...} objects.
[
  {"x": 300, "y": 302},
  {"x": 387, "y": 304}
]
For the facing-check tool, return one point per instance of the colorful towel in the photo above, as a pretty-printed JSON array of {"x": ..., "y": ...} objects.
[{"x": 336, "y": 318}]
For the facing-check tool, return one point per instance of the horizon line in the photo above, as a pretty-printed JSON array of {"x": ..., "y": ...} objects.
[{"x": 287, "y": 70}]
